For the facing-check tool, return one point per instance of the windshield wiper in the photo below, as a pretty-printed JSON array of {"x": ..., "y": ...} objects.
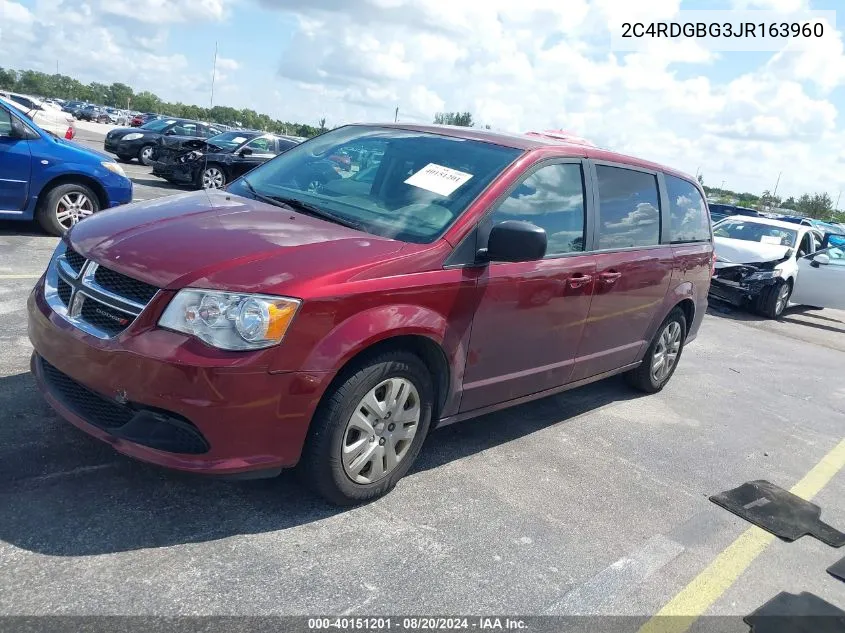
[
  {"x": 313, "y": 210},
  {"x": 258, "y": 196}
]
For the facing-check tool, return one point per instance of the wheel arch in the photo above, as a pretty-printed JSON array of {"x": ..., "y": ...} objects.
[
  {"x": 428, "y": 350},
  {"x": 73, "y": 179}
]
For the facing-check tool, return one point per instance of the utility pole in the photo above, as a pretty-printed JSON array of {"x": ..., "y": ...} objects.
[
  {"x": 836, "y": 207},
  {"x": 722, "y": 186},
  {"x": 396, "y": 115},
  {"x": 213, "y": 75},
  {"x": 774, "y": 193}
]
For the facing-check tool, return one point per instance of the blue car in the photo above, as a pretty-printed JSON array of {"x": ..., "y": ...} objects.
[{"x": 52, "y": 180}]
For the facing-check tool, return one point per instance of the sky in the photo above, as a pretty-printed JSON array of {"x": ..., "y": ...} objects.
[{"x": 738, "y": 118}]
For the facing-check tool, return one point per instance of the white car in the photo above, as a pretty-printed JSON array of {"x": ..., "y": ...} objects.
[
  {"x": 769, "y": 264},
  {"x": 47, "y": 116}
]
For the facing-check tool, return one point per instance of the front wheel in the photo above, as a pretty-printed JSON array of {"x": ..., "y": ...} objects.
[
  {"x": 774, "y": 299},
  {"x": 65, "y": 205},
  {"x": 212, "y": 177},
  {"x": 662, "y": 355},
  {"x": 369, "y": 428},
  {"x": 145, "y": 155}
]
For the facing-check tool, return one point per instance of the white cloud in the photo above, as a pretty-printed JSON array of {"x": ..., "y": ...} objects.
[{"x": 543, "y": 64}]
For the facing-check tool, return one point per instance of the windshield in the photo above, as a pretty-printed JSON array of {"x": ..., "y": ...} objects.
[
  {"x": 395, "y": 183},
  {"x": 158, "y": 125},
  {"x": 229, "y": 140},
  {"x": 756, "y": 232}
]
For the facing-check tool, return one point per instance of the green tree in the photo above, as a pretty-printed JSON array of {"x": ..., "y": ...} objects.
[
  {"x": 8, "y": 78},
  {"x": 120, "y": 96},
  {"x": 818, "y": 206},
  {"x": 463, "y": 119},
  {"x": 700, "y": 179}
]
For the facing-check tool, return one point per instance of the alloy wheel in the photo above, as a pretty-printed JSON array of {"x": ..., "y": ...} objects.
[
  {"x": 212, "y": 178},
  {"x": 146, "y": 154},
  {"x": 381, "y": 430},
  {"x": 666, "y": 352},
  {"x": 783, "y": 298},
  {"x": 73, "y": 207}
]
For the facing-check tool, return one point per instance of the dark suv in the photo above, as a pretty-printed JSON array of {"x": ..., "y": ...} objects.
[{"x": 329, "y": 316}]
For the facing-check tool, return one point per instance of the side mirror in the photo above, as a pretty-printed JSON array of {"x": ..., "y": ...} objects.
[
  {"x": 822, "y": 259},
  {"x": 246, "y": 151},
  {"x": 515, "y": 241}
]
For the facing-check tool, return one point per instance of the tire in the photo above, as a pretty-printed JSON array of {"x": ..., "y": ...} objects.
[
  {"x": 773, "y": 301},
  {"x": 212, "y": 176},
  {"x": 644, "y": 377},
  {"x": 323, "y": 467},
  {"x": 64, "y": 205},
  {"x": 124, "y": 158},
  {"x": 145, "y": 155}
]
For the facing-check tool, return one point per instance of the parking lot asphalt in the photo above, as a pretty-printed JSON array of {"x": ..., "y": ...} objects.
[{"x": 594, "y": 501}]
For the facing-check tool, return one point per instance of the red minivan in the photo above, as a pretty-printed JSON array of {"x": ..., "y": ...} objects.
[{"x": 327, "y": 318}]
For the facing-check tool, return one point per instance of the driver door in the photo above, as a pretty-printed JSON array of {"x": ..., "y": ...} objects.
[
  {"x": 15, "y": 166},
  {"x": 821, "y": 279}
]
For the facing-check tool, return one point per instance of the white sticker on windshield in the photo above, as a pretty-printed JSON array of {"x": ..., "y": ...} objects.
[
  {"x": 239, "y": 139},
  {"x": 770, "y": 239},
  {"x": 441, "y": 180}
]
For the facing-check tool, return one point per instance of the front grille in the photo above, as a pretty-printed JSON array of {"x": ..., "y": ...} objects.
[
  {"x": 95, "y": 299},
  {"x": 86, "y": 404},
  {"x": 105, "y": 317},
  {"x": 124, "y": 286},
  {"x": 74, "y": 260},
  {"x": 156, "y": 428},
  {"x": 64, "y": 290}
]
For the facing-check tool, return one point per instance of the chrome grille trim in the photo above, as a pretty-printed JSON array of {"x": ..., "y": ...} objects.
[{"x": 84, "y": 288}]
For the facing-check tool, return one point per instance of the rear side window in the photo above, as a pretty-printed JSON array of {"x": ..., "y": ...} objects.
[
  {"x": 553, "y": 199},
  {"x": 687, "y": 212},
  {"x": 629, "y": 209}
]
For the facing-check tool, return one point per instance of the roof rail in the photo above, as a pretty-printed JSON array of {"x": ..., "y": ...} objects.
[{"x": 562, "y": 135}]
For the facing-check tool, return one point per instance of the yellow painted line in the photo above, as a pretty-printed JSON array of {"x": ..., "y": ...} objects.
[
  {"x": 694, "y": 599},
  {"x": 19, "y": 276}
]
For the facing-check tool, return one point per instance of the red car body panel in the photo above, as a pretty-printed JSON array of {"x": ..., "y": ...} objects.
[{"x": 508, "y": 332}]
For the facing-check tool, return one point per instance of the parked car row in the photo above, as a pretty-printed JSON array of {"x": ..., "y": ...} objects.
[{"x": 47, "y": 116}]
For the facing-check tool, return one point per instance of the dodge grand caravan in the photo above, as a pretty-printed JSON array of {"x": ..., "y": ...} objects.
[{"x": 329, "y": 318}]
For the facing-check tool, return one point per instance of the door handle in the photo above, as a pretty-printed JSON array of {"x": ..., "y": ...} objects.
[
  {"x": 610, "y": 277},
  {"x": 579, "y": 280}
]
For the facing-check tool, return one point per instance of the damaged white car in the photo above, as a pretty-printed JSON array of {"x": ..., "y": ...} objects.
[{"x": 768, "y": 264}]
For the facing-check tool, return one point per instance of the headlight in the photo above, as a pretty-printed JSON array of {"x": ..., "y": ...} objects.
[
  {"x": 764, "y": 274},
  {"x": 134, "y": 136},
  {"x": 114, "y": 167},
  {"x": 231, "y": 321},
  {"x": 190, "y": 157}
]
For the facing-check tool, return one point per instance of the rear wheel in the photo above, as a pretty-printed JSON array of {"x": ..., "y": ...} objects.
[
  {"x": 145, "y": 155},
  {"x": 662, "y": 355},
  {"x": 369, "y": 428},
  {"x": 773, "y": 301},
  {"x": 65, "y": 205}
]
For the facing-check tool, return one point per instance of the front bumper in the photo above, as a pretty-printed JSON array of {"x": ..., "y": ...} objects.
[
  {"x": 144, "y": 390},
  {"x": 738, "y": 293},
  {"x": 125, "y": 148},
  {"x": 183, "y": 173}
]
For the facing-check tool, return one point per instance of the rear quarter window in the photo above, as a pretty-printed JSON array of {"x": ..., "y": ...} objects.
[
  {"x": 688, "y": 220},
  {"x": 629, "y": 208}
]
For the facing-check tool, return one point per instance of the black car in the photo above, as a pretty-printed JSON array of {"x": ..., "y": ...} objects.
[
  {"x": 719, "y": 212},
  {"x": 129, "y": 143},
  {"x": 212, "y": 163}
]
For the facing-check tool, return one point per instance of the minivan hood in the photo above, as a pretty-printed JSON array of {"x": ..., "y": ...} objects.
[
  {"x": 223, "y": 241},
  {"x": 745, "y": 252}
]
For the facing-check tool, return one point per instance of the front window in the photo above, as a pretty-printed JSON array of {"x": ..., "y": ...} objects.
[
  {"x": 395, "y": 183},
  {"x": 756, "y": 232},
  {"x": 158, "y": 125}
]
